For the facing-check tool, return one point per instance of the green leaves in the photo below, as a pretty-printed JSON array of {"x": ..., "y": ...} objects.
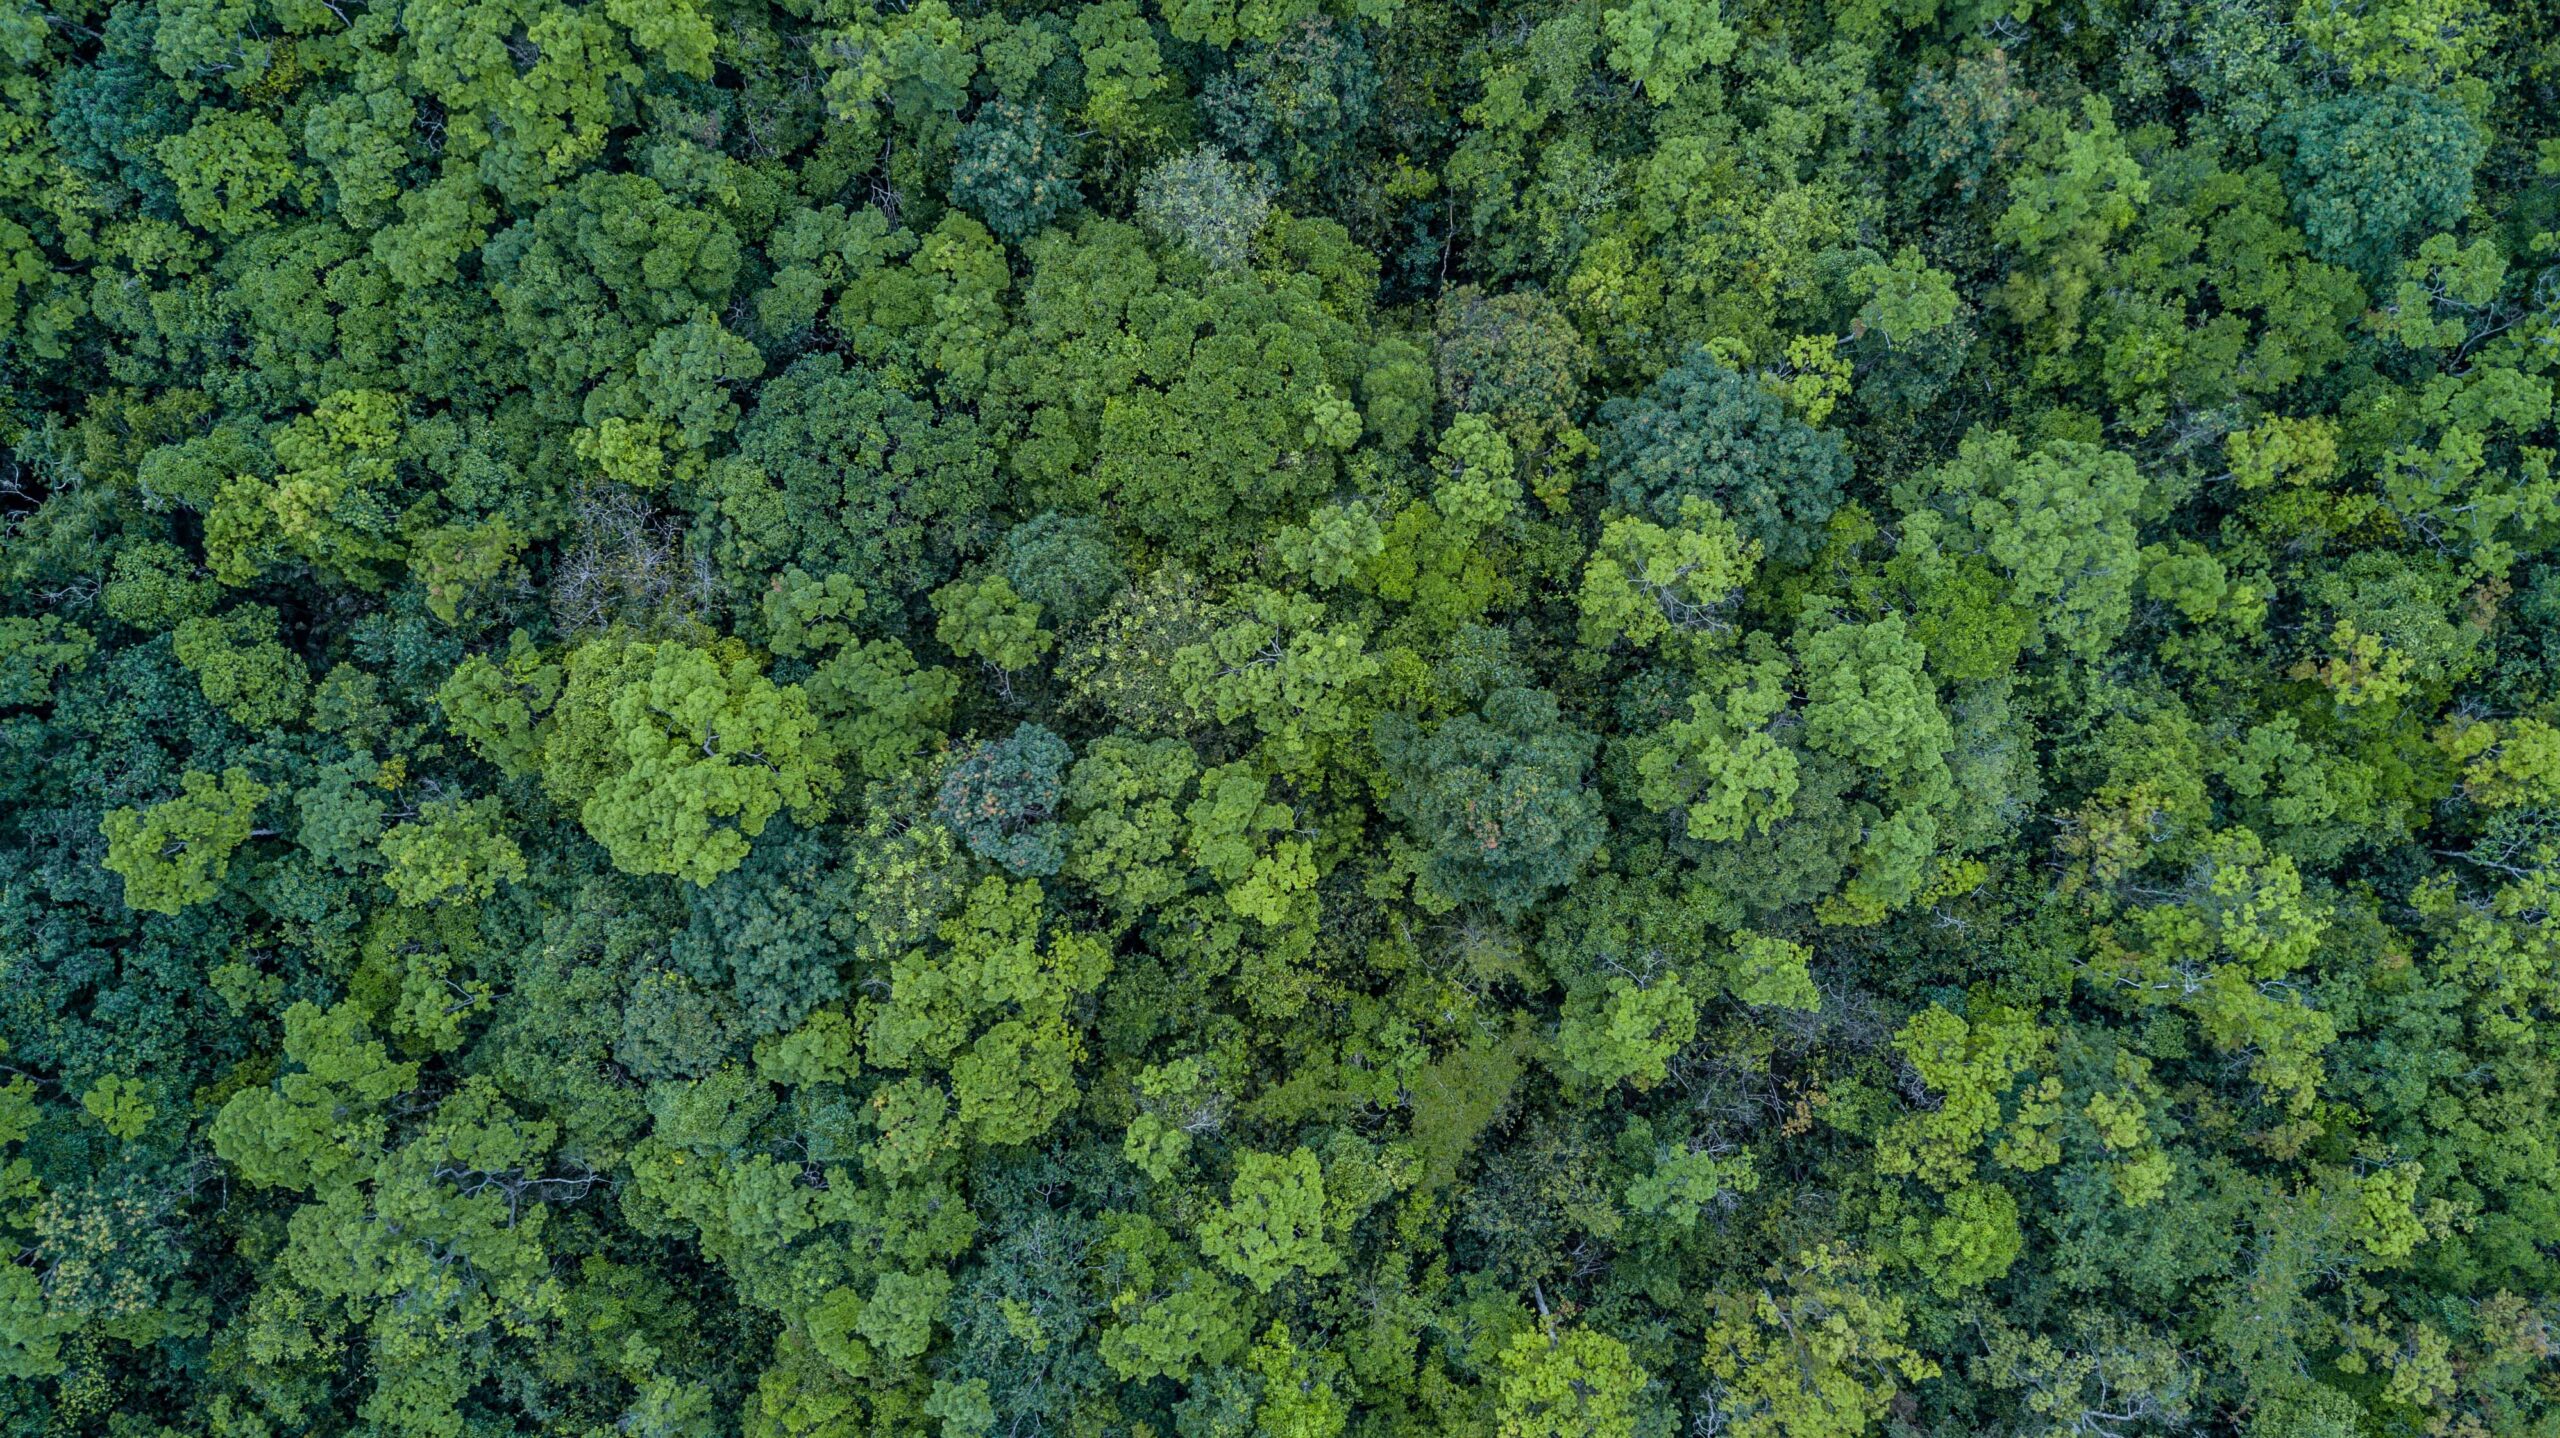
[
  {"x": 1622, "y": 1031},
  {"x": 673, "y": 30},
  {"x": 1720, "y": 765},
  {"x": 244, "y": 671},
  {"x": 1206, "y": 201},
  {"x": 318, "y": 1127},
  {"x": 1580, "y": 1385},
  {"x": 178, "y": 852},
  {"x": 2376, "y": 170},
  {"x": 1002, "y": 799},
  {"x": 34, "y": 652},
  {"x": 654, "y": 425},
  {"x": 674, "y": 756},
  {"x": 1661, "y": 44},
  {"x": 1974, "y": 1241},
  {"x": 452, "y": 850},
  {"x": 1970, "y": 1067},
  {"x": 1906, "y": 298},
  {"x": 1277, "y": 718},
  {"x": 230, "y": 168},
  {"x": 879, "y": 709},
  {"x": 1815, "y": 1352},
  {"x": 502, "y": 707},
  {"x": 1704, "y": 432},
  {"x": 1126, "y": 797},
  {"x": 587, "y": 280},
  {"x": 991, "y": 1005},
  {"x": 1175, "y": 1335},
  {"x": 1868, "y": 698},
  {"x": 805, "y": 615},
  {"x": 1766, "y": 970},
  {"x": 1684, "y": 1182},
  {"x": 334, "y": 502},
  {"x": 985, "y": 619},
  {"x": 1014, "y": 171},
  {"x": 121, "y": 1105},
  {"x": 898, "y": 1317},
  {"x": 1123, "y": 69},
  {"x": 2080, "y": 187},
  {"x": 841, "y": 470},
  {"x": 915, "y": 62},
  {"x": 2060, "y": 521},
  {"x": 1654, "y": 586},
  {"x": 1277, "y": 664},
  {"x": 1243, "y": 842},
  {"x": 1183, "y": 402},
  {"x": 1497, "y": 799},
  {"x": 1271, "y": 1225},
  {"x": 2220, "y": 949}
]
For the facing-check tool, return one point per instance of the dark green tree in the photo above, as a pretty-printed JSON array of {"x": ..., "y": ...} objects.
[{"x": 1704, "y": 431}]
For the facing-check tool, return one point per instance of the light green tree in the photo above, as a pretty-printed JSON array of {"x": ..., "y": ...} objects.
[
  {"x": 1814, "y": 1352},
  {"x": 177, "y": 852},
  {"x": 1673, "y": 586},
  {"x": 1621, "y": 1031},
  {"x": 1662, "y": 44},
  {"x": 454, "y": 849},
  {"x": 675, "y": 755},
  {"x": 242, "y": 668},
  {"x": 985, "y": 619},
  {"x": 1272, "y": 1224},
  {"x": 1722, "y": 767},
  {"x": 1684, "y": 1181}
]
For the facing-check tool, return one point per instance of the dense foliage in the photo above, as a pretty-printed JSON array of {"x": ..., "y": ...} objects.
[{"x": 1279, "y": 718}]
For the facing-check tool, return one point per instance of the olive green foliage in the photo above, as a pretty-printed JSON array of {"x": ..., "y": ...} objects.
[
  {"x": 1279, "y": 719},
  {"x": 244, "y": 671}
]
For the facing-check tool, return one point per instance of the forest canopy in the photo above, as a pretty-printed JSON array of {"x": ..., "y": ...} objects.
[{"x": 1279, "y": 718}]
